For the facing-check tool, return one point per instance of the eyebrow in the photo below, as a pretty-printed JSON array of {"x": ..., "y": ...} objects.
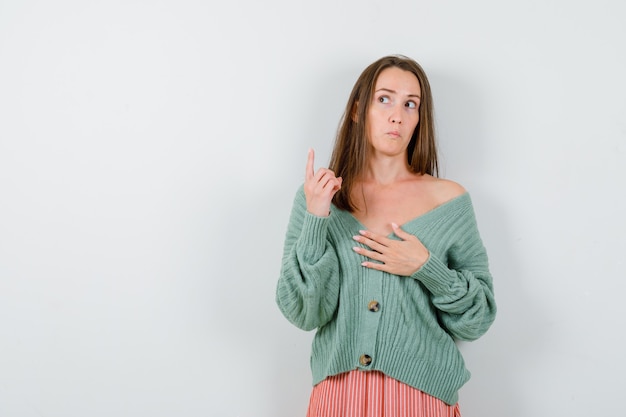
[{"x": 395, "y": 92}]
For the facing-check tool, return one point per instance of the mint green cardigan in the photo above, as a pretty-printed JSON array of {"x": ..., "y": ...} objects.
[{"x": 411, "y": 333}]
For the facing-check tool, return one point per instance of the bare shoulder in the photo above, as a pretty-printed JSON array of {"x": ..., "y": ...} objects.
[{"x": 445, "y": 190}]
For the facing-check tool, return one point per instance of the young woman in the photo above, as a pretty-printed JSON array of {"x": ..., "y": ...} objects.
[{"x": 385, "y": 260}]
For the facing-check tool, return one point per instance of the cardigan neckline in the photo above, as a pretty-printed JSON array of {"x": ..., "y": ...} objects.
[{"x": 449, "y": 204}]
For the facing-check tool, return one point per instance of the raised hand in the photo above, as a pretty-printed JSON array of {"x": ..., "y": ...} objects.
[
  {"x": 400, "y": 257},
  {"x": 319, "y": 187}
]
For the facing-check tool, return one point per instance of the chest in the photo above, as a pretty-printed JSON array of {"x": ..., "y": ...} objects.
[{"x": 379, "y": 207}]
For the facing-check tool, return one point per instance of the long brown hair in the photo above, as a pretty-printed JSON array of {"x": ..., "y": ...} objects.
[{"x": 349, "y": 154}]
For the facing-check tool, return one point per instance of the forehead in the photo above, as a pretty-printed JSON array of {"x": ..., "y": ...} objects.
[{"x": 399, "y": 81}]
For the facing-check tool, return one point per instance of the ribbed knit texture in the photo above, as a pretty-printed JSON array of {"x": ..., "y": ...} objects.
[{"x": 411, "y": 337}]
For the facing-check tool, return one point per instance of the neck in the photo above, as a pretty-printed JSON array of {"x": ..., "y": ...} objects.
[{"x": 386, "y": 170}]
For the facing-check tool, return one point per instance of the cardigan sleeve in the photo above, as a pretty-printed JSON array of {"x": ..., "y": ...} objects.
[
  {"x": 461, "y": 288},
  {"x": 307, "y": 292}
]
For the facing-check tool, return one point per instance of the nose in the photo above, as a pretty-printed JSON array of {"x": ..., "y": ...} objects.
[{"x": 396, "y": 115}]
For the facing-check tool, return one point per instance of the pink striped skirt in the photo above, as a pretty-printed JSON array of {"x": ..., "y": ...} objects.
[{"x": 373, "y": 394}]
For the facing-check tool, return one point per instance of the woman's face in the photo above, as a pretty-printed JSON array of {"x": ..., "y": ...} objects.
[{"x": 394, "y": 111}]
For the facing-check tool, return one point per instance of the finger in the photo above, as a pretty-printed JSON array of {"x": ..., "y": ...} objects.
[
  {"x": 338, "y": 183},
  {"x": 374, "y": 265},
  {"x": 322, "y": 178},
  {"x": 327, "y": 179},
  {"x": 334, "y": 184},
  {"x": 324, "y": 172},
  {"x": 377, "y": 256},
  {"x": 310, "y": 171},
  {"x": 399, "y": 232},
  {"x": 372, "y": 244},
  {"x": 403, "y": 234},
  {"x": 374, "y": 239}
]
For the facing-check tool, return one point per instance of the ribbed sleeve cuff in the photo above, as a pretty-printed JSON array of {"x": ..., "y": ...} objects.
[
  {"x": 435, "y": 275},
  {"x": 313, "y": 237}
]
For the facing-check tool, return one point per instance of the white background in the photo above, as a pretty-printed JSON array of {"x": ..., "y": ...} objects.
[{"x": 150, "y": 151}]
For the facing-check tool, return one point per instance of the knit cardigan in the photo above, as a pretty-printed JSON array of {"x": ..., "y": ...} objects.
[{"x": 409, "y": 330}]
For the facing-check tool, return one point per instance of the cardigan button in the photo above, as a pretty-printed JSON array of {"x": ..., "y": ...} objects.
[
  {"x": 365, "y": 360},
  {"x": 373, "y": 306}
]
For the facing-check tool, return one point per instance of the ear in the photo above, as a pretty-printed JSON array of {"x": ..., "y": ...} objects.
[{"x": 353, "y": 115}]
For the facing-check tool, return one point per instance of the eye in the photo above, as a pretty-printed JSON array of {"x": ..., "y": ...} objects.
[
  {"x": 383, "y": 99},
  {"x": 411, "y": 104}
]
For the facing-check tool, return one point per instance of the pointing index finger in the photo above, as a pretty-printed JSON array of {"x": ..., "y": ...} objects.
[{"x": 310, "y": 171}]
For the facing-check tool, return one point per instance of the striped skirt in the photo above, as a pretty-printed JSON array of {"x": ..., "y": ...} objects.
[{"x": 373, "y": 394}]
